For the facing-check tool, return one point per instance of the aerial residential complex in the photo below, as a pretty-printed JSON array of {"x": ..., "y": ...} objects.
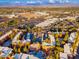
[{"x": 39, "y": 29}]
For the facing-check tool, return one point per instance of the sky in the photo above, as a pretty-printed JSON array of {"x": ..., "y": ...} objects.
[{"x": 41, "y": 2}]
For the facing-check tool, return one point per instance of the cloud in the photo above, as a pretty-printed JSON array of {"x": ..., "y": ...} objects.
[
  {"x": 51, "y": 1},
  {"x": 60, "y": 1},
  {"x": 30, "y": 2},
  {"x": 33, "y": 1},
  {"x": 17, "y": 2}
]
